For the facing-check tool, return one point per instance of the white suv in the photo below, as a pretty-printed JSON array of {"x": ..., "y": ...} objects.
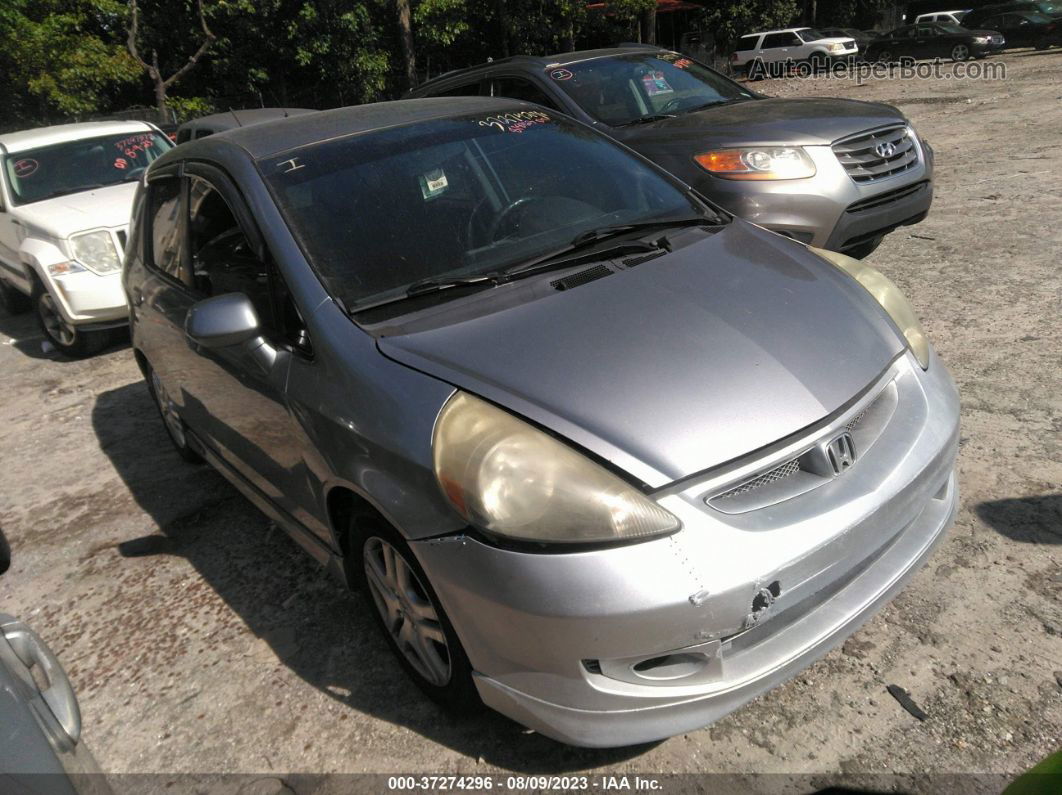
[
  {"x": 65, "y": 197},
  {"x": 792, "y": 44},
  {"x": 954, "y": 17}
]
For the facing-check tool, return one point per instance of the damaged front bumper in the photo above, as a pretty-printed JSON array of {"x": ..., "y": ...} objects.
[{"x": 625, "y": 645}]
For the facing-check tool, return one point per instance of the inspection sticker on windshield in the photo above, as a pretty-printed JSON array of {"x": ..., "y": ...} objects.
[
  {"x": 433, "y": 184},
  {"x": 25, "y": 167},
  {"x": 655, "y": 84}
]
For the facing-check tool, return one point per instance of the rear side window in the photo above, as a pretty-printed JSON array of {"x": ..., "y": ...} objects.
[
  {"x": 780, "y": 40},
  {"x": 746, "y": 43},
  {"x": 518, "y": 88},
  {"x": 463, "y": 90},
  {"x": 164, "y": 202}
]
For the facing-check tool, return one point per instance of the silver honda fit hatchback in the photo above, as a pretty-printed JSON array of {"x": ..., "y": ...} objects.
[{"x": 596, "y": 452}]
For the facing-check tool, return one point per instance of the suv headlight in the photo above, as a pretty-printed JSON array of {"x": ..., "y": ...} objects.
[
  {"x": 836, "y": 47},
  {"x": 511, "y": 479},
  {"x": 96, "y": 251},
  {"x": 767, "y": 162},
  {"x": 887, "y": 294}
]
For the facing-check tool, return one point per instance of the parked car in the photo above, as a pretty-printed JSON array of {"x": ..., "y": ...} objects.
[
  {"x": 594, "y": 450},
  {"x": 806, "y": 168},
  {"x": 65, "y": 197},
  {"x": 1027, "y": 29},
  {"x": 979, "y": 16},
  {"x": 935, "y": 40},
  {"x": 954, "y": 17},
  {"x": 861, "y": 38},
  {"x": 40, "y": 720},
  {"x": 791, "y": 45},
  {"x": 219, "y": 122}
]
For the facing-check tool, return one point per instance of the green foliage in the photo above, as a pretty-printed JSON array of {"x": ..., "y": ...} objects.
[{"x": 191, "y": 107}]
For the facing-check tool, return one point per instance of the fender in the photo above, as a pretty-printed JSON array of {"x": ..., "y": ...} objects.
[{"x": 35, "y": 256}]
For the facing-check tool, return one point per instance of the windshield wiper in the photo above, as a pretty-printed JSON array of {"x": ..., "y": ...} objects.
[
  {"x": 648, "y": 119},
  {"x": 718, "y": 103},
  {"x": 68, "y": 191},
  {"x": 426, "y": 286}
]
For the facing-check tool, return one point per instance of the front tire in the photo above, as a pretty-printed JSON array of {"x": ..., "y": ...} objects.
[
  {"x": 175, "y": 427},
  {"x": 960, "y": 52},
  {"x": 64, "y": 336},
  {"x": 408, "y": 612},
  {"x": 885, "y": 56}
]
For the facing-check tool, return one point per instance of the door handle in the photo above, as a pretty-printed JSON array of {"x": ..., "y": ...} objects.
[{"x": 59, "y": 694}]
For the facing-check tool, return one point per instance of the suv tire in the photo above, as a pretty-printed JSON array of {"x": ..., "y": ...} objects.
[{"x": 64, "y": 337}]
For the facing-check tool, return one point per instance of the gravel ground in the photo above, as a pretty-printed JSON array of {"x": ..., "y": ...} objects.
[{"x": 202, "y": 640}]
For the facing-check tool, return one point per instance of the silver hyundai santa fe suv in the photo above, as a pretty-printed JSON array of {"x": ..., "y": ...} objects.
[{"x": 597, "y": 453}]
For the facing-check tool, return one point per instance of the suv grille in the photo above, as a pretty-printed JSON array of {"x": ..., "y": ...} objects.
[{"x": 861, "y": 155}]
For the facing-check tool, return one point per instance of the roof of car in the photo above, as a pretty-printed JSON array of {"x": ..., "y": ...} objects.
[
  {"x": 243, "y": 118},
  {"x": 61, "y": 133},
  {"x": 281, "y": 135},
  {"x": 544, "y": 61}
]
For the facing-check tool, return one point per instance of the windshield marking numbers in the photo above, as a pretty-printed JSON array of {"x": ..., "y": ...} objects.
[
  {"x": 515, "y": 122},
  {"x": 292, "y": 165}
]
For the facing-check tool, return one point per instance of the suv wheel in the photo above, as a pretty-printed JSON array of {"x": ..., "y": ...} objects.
[
  {"x": 63, "y": 335},
  {"x": 411, "y": 617},
  {"x": 175, "y": 426}
]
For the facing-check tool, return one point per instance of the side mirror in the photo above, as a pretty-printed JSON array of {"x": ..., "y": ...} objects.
[
  {"x": 222, "y": 321},
  {"x": 5, "y": 554}
]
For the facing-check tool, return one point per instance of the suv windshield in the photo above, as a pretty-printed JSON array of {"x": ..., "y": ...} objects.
[
  {"x": 625, "y": 89},
  {"x": 810, "y": 34},
  {"x": 454, "y": 198},
  {"x": 38, "y": 174}
]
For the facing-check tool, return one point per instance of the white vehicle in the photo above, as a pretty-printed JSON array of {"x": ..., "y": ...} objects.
[
  {"x": 954, "y": 17},
  {"x": 65, "y": 197},
  {"x": 795, "y": 44}
]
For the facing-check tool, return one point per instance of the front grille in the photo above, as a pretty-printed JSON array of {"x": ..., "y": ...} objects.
[
  {"x": 864, "y": 163},
  {"x": 888, "y": 197},
  {"x": 766, "y": 479}
]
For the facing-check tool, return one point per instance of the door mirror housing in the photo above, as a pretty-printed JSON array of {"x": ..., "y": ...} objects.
[{"x": 222, "y": 321}]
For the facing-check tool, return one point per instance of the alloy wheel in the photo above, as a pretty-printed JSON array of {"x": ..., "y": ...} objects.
[
  {"x": 407, "y": 611},
  {"x": 54, "y": 323},
  {"x": 960, "y": 52}
]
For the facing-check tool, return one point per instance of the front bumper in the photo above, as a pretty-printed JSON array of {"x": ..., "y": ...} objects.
[
  {"x": 829, "y": 210},
  {"x": 91, "y": 301},
  {"x": 555, "y": 638}
]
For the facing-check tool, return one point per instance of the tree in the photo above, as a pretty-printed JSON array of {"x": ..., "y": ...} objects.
[
  {"x": 162, "y": 84},
  {"x": 405, "y": 38}
]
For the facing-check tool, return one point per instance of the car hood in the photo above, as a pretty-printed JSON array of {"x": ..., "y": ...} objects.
[
  {"x": 76, "y": 212},
  {"x": 679, "y": 365},
  {"x": 783, "y": 122}
]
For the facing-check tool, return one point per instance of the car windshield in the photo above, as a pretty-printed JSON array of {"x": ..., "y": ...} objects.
[
  {"x": 38, "y": 174},
  {"x": 810, "y": 34},
  {"x": 626, "y": 89},
  {"x": 1037, "y": 19},
  {"x": 453, "y": 198},
  {"x": 951, "y": 27}
]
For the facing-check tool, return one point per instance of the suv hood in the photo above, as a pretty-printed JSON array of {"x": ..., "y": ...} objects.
[
  {"x": 77, "y": 212},
  {"x": 680, "y": 364},
  {"x": 782, "y": 122}
]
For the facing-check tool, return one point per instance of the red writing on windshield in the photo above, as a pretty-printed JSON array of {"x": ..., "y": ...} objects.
[{"x": 135, "y": 144}]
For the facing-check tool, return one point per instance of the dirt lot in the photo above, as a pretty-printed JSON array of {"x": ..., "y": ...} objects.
[{"x": 201, "y": 640}]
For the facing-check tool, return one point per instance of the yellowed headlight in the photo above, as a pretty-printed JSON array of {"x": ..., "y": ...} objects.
[{"x": 890, "y": 297}]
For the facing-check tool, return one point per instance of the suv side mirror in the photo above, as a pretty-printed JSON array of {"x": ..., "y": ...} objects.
[
  {"x": 226, "y": 321},
  {"x": 5, "y": 554},
  {"x": 222, "y": 321}
]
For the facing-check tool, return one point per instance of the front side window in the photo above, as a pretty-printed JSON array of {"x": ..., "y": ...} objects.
[
  {"x": 625, "y": 89},
  {"x": 74, "y": 166},
  {"x": 223, "y": 260},
  {"x": 452, "y": 198}
]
